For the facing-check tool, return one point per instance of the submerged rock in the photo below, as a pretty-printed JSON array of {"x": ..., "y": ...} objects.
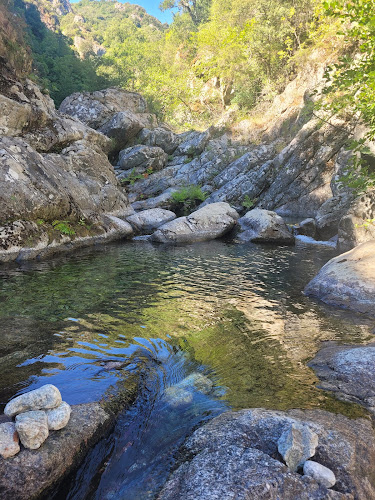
[
  {"x": 296, "y": 445},
  {"x": 348, "y": 281},
  {"x": 264, "y": 226},
  {"x": 58, "y": 417},
  {"x": 235, "y": 456},
  {"x": 321, "y": 474},
  {"x": 207, "y": 223},
  {"x": 149, "y": 220},
  {"x": 46, "y": 397},
  {"x": 9, "y": 441},
  {"x": 198, "y": 382},
  {"x": 177, "y": 396},
  {"x": 32, "y": 428}
]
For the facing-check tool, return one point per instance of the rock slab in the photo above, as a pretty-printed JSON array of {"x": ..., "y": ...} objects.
[
  {"x": 46, "y": 397},
  {"x": 207, "y": 223},
  {"x": 9, "y": 442},
  {"x": 348, "y": 281},
  {"x": 32, "y": 428}
]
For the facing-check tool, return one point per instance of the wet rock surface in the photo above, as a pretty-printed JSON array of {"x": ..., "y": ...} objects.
[
  {"x": 348, "y": 371},
  {"x": 264, "y": 226},
  {"x": 348, "y": 281},
  {"x": 236, "y": 456},
  {"x": 207, "y": 223}
]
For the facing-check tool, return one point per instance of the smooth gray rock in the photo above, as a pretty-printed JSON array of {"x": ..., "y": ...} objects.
[
  {"x": 149, "y": 220},
  {"x": 207, "y": 223},
  {"x": 348, "y": 281},
  {"x": 321, "y": 474},
  {"x": 235, "y": 456},
  {"x": 142, "y": 158},
  {"x": 9, "y": 441},
  {"x": 297, "y": 444},
  {"x": 264, "y": 226},
  {"x": 32, "y": 428},
  {"x": 348, "y": 371},
  {"x": 46, "y": 397},
  {"x": 330, "y": 213},
  {"x": 58, "y": 418}
]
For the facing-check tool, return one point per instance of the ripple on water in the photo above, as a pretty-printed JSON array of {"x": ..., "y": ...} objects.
[{"x": 235, "y": 312}]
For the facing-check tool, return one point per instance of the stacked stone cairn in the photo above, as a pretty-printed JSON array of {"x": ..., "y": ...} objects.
[{"x": 36, "y": 413}]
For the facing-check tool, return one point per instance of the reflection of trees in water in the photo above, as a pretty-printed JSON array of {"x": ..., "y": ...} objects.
[{"x": 240, "y": 308}]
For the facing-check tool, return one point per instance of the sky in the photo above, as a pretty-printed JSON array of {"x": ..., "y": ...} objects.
[{"x": 152, "y": 7}]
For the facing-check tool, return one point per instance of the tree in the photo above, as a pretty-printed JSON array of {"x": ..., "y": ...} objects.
[{"x": 198, "y": 10}]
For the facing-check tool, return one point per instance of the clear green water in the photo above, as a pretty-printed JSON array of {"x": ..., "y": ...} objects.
[{"x": 233, "y": 312}]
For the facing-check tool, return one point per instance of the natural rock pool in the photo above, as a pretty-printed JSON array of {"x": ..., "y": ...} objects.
[{"x": 232, "y": 312}]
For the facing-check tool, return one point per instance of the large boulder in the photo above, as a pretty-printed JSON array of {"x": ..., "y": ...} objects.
[
  {"x": 207, "y": 223},
  {"x": 124, "y": 126},
  {"x": 142, "y": 158},
  {"x": 348, "y": 281},
  {"x": 348, "y": 371},
  {"x": 160, "y": 137},
  {"x": 264, "y": 226},
  {"x": 77, "y": 181},
  {"x": 236, "y": 456},
  {"x": 96, "y": 108},
  {"x": 148, "y": 221}
]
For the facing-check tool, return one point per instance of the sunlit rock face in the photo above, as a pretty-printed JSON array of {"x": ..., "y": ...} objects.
[
  {"x": 53, "y": 168},
  {"x": 348, "y": 281}
]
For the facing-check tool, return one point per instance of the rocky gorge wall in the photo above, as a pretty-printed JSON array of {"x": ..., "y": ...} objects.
[{"x": 291, "y": 162}]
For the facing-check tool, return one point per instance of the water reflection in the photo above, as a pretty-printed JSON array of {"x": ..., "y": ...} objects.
[{"x": 235, "y": 312}]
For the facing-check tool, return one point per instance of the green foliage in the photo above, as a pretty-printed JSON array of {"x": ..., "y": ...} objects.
[
  {"x": 64, "y": 227},
  {"x": 56, "y": 65},
  {"x": 198, "y": 10},
  {"x": 134, "y": 176},
  {"x": 248, "y": 202},
  {"x": 187, "y": 199},
  {"x": 351, "y": 82}
]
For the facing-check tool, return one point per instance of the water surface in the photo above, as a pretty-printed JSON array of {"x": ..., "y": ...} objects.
[{"x": 235, "y": 313}]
